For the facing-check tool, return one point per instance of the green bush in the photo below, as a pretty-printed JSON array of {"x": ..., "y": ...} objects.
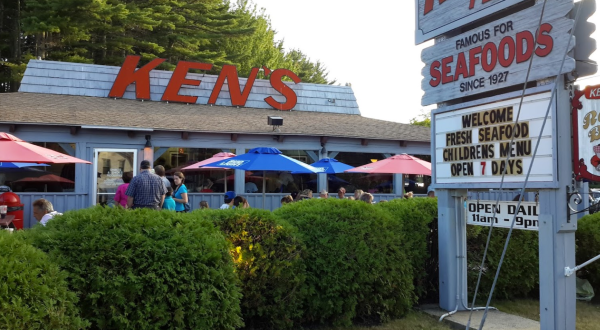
[
  {"x": 267, "y": 255},
  {"x": 417, "y": 215},
  {"x": 519, "y": 276},
  {"x": 143, "y": 269},
  {"x": 33, "y": 290},
  {"x": 588, "y": 246},
  {"x": 355, "y": 263}
]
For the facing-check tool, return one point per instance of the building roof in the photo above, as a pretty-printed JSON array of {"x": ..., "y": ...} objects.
[{"x": 50, "y": 109}]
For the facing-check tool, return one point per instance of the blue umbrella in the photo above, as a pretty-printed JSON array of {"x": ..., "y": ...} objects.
[
  {"x": 264, "y": 159},
  {"x": 19, "y": 165},
  {"x": 329, "y": 166}
]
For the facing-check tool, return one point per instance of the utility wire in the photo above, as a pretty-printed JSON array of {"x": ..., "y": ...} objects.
[
  {"x": 487, "y": 244},
  {"x": 552, "y": 96}
]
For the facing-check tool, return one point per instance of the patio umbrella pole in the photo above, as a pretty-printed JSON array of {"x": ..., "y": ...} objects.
[
  {"x": 264, "y": 188},
  {"x": 225, "y": 180}
]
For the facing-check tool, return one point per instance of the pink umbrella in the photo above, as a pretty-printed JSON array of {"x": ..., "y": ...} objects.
[
  {"x": 16, "y": 150},
  {"x": 404, "y": 163},
  {"x": 215, "y": 158}
]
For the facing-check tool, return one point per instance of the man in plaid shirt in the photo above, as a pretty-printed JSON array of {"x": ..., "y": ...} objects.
[{"x": 146, "y": 190}]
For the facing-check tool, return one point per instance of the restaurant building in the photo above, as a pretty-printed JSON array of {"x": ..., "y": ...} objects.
[{"x": 178, "y": 118}]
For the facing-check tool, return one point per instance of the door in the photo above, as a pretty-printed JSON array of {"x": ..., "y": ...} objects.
[{"x": 110, "y": 165}]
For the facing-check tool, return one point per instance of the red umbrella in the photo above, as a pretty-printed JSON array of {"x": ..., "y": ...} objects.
[
  {"x": 16, "y": 150},
  {"x": 215, "y": 158},
  {"x": 404, "y": 163},
  {"x": 48, "y": 178}
]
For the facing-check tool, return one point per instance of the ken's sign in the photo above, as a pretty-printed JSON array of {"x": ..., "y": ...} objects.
[
  {"x": 497, "y": 55},
  {"x": 435, "y": 17},
  {"x": 471, "y": 145},
  {"x": 482, "y": 213},
  {"x": 586, "y": 133}
]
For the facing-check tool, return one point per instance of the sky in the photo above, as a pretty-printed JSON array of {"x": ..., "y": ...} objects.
[{"x": 370, "y": 45}]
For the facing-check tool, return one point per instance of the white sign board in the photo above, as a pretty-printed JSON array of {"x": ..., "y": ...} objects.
[
  {"x": 586, "y": 134},
  {"x": 435, "y": 17},
  {"x": 481, "y": 213},
  {"x": 496, "y": 55},
  {"x": 471, "y": 144}
]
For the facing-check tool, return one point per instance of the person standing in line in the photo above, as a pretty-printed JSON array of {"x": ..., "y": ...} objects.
[
  {"x": 160, "y": 171},
  {"x": 229, "y": 197},
  {"x": 169, "y": 203},
  {"x": 323, "y": 194},
  {"x": 146, "y": 190},
  {"x": 43, "y": 211},
  {"x": 204, "y": 205},
  {"x": 120, "y": 196},
  {"x": 180, "y": 196},
  {"x": 431, "y": 193},
  {"x": 342, "y": 193},
  {"x": 240, "y": 202},
  {"x": 367, "y": 198}
]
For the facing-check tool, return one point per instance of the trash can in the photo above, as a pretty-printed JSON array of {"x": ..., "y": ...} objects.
[{"x": 13, "y": 203}]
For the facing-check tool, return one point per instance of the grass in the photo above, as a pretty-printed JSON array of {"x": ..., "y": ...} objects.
[
  {"x": 413, "y": 321},
  {"x": 588, "y": 314}
]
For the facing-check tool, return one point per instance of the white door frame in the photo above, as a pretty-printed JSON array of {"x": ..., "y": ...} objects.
[{"x": 95, "y": 172}]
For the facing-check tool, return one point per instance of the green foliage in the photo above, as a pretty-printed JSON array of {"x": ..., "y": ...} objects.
[
  {"x": 142, "y": 269},
  {"x": 588, "y": 245},
  {"x": 416, "y": 215},
  {"x": 519, "y": 276},
  {"x": 355, "y": 263},
  {"x": 267, "y": 256},
  {"x": 33, "y": 290},
  {"x": 422, "y": 120}
]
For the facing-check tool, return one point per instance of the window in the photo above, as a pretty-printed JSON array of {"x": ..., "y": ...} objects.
[
  {"x": 200, "y": 180},
  {"x": 51, "y": 178}
]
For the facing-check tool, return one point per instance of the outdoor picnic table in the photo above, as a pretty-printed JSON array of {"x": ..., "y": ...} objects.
[{"x": 7, "y": 221}]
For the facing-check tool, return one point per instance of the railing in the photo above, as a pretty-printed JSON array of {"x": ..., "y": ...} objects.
[{"x": 62, "y": 202}]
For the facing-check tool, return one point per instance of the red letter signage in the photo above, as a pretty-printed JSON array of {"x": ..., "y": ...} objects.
[
  {"x": 178, "y": 79},
  {"x": 285, "y": 90},
  {"x": 128, "y": 75},
  {"x": 238, "y": 98}
]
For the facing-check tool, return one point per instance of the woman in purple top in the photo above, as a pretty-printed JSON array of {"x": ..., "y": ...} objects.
[{"x": 120, "y": 196}]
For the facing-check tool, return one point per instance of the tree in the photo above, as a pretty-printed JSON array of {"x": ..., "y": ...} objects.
[
  {"x": 424, "y": 119},
  {"x": 308, "y": 71}
]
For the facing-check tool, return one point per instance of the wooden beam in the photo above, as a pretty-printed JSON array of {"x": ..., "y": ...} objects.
[
  {"x": 402, "y": 143},
  {"x": 234, "y": 137},
  {"x": 12, "y": 128},
  {"x": 185, "y": 135},
  {"x": 364, "y": 142},
  {"x": 74, "y": 130},
  {"x": 131, "y": 134},
  {"x": 324, "y": 139}
]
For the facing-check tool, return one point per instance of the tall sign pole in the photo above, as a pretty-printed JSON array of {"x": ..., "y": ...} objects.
[{"x": 499, "y": 74}]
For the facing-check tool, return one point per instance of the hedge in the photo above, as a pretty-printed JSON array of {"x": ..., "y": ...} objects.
[
  {"x": 588, "y": 246},
  {"x": 355, "y": 263},
  {"x": 417, "y": 216},
  {"x": 143, "y": 269},
  {"x": 267, "y": 256},
  {"x": 33, "y": 290},
  {"x": 519, "y": 276}
]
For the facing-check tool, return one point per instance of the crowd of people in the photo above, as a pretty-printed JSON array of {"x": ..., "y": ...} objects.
[{"x": 154, "y": 191}]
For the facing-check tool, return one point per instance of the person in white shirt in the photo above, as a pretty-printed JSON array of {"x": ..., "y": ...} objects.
[
  {"x": 43, "y": 211},
  {"x": 323, "y": 194},
  {"x": 229, "y": 196}
]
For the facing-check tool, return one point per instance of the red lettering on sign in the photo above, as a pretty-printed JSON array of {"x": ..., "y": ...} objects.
[
  {"x": 230, "y": 73},
  {"x": 461, "y": 67},
  {"x": 178, "y": 79},
  {"x": 472, "y": 3},
  {"x": 490, "y": 48},
  {"x": 544, "y": 40},
  {"x": 527, "y": 38},
  {"x": 505, "y": 58},
  {"x": 290, "y": 96},
  {"x": 429, "y": 6},
  {"x": 446, "y": 70},
  {"x": 436, "y": 76},
  {"x": 473, "y": 60},
  {"x": 128, "y": 75}
]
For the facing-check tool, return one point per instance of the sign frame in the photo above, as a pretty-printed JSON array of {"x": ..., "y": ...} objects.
[
  {"x": 579, "y": 168},
  {"x": 422, "y": 36},
  {"x": 496, "y": 185}
]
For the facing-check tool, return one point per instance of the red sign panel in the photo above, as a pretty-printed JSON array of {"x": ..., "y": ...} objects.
[{"x": 586, "y": 133}]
